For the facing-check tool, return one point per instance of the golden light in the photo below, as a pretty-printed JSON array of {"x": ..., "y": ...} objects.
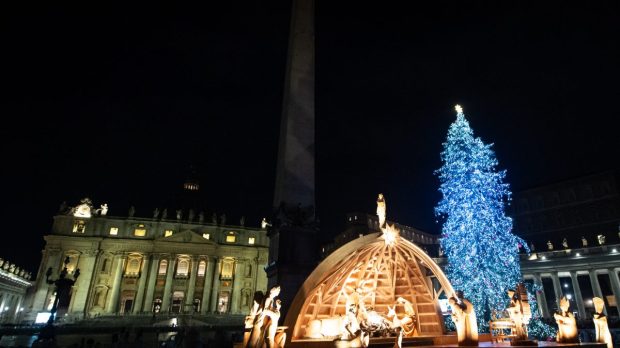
[
  {"x": 389, "y": 234},
  {"x": 458, "y": 109}
]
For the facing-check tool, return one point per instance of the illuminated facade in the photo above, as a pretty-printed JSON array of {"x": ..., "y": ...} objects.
[
  {"x": 133, "y": 265},
  {"x": 14, "y": 283}
]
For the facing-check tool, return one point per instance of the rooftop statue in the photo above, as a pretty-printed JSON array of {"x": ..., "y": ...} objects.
[{"x": 84, "y": 209}]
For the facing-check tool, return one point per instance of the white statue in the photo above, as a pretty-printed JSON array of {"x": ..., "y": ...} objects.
[
  {"x": 565, "y": 243},
  {"x": 156, "y": 213},
  {"x": 519, "y": 312},
  {"x": 603, "y": 335},
  {"x": 242, "y": 221},
  {"x": 264, "y": 329},
  {"x": 352, "y": 307},
  {"x": 584, "y": 242},
  {"x": 201, "y": 217},
  {"x": 549, "y": 245},
  {"x": 104, "y": 209},
  {"x": 601, "y": 239},
  {"x": 381, "y": 211},
  {"x": 179, "y": 214},
  {"x": 567, "y": 325},
  {"x": 464, "y": 317},
  {"x": 132, "y": 211},
  {"x": 409, "y": 321}
]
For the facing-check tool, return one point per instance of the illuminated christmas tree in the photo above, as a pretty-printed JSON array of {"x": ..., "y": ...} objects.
[{"x": 482, "y": 253}]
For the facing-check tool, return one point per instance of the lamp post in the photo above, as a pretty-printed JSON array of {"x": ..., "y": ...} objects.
[{"x": 63, "y": 293}]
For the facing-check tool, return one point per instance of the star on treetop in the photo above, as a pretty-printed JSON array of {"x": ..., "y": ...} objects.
[{"x": 458, "y": 109}]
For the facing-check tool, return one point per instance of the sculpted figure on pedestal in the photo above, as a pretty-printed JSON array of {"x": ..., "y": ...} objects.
[
  {"x": 464, "y": 318},
  {"x": 603, "y": 335},
  {"x": 567, "y": 325}
]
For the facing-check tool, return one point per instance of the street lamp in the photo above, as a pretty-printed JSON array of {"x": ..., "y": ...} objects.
[{"x": 63, "y": 293}]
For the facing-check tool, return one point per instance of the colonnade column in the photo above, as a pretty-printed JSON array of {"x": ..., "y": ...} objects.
[
  {"x": 216, "y": 285},
  {"x": 236, "y": 290},
  {"x": 137, "y": 307},
  {"x": 596, "y": 287},
  {"x": 189, "y": 299},
  {"x": 615, "y": 286},
  {"x": 578, "y": 298},
  {"x": 165, "y": 305},
  {"x": 540, "y": 296},
  {"x": 119, "y": 260},
  {"x": 150, "y": 289},
  {"x": 557, "y": 288},
  {"x": 207, "y": 287}
]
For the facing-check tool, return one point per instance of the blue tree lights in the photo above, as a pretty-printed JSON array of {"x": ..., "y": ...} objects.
[{"x": 482, "y": 252}]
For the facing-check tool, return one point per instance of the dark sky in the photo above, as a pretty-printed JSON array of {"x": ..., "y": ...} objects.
[{"x": 115, "y": 104}]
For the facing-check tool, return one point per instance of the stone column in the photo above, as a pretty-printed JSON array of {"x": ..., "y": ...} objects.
[
  {"x": 540, "y": 296},
  {"x": 207, "y": 287},
  {"x": 150, "y": 289},
  {"x": 236, "y": 288},
  {"x": 615, "y": 286},
  {"x": 165, "y": 305},
  {"x": 113, "y": 304},
  {"x": 216, "y": 285},
  {"x": 189, "y": 299},
  {"x": 557, "y": 288},
  {"x": 86, "y": 264},
  {"x": 596, "y": 287},
  {"x": 578, "y": 298},
  {"x": 137, "y": 307}
]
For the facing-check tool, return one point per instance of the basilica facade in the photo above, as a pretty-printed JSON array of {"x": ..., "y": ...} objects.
[{"x": 132, "y": 265}]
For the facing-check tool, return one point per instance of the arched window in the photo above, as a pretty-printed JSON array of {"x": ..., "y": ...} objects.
[
  {"x": 163, "y": 265},
  {"x": 133, "y": 267},
  {"x": 227, "y": 269},
  {"x": 202, "y": 266},
  {"x": 182, "y": 267}
]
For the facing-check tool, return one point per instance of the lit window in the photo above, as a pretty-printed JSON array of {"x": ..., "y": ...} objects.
[
  {"x": 183, "y": 268},
  {"x": 251, "y": 240},
  {"x": 168, "y": 233},
  {"x": 133, "y": 267},
  {"x": 231, "y": 238},
  {"x": 205, "y": 236},
  {"x": 202, "y": 266},
  {"x": 113, "y": 231},
  {"x": 79, "y": 226},
  {"x": 163, "y": 265},
  {"x": 140, "y": 231},
  {"x": 227, "y": 269}
]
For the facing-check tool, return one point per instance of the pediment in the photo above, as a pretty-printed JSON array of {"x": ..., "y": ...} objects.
[{"x": 186, "y": 236}]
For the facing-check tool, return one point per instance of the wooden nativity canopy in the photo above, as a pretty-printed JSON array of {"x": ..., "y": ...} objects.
[{"x": 383, "y": 272}]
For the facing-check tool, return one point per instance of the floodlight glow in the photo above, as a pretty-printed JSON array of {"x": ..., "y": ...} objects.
[{"x": 42, "y": 317}]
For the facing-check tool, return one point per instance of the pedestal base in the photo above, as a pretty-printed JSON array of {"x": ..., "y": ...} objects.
[{"x": 524, "y": 343}]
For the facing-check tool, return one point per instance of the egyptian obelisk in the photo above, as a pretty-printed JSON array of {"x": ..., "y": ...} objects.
[{"x": 293, "y": 240}]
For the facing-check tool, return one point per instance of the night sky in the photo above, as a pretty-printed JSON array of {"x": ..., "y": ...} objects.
[{"x": 116, "y": 104}]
